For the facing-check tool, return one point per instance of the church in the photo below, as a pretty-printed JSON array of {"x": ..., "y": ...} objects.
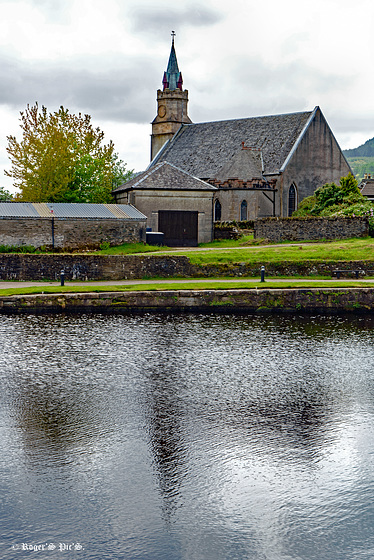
[{"x": 239, "y": 169}]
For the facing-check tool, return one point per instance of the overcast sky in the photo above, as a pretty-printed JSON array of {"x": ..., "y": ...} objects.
[{"x": 239, "y": 58}]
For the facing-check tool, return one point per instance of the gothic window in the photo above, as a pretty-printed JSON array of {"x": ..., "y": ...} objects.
[
  {"x": 217, "y": 211},
  {"x": 291, "y": 200},
  {"x": 243, "y": 211}
]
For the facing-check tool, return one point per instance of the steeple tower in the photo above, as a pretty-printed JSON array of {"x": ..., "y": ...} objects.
[{"x": 171, "y": 105}]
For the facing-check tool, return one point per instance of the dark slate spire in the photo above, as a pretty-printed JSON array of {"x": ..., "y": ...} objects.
[{"x": 172, "y": 77}]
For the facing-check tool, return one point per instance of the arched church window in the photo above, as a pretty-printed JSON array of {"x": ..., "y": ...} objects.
[
  {"x": 243, "y": 211},
  {"x": 291, "y": 200},
  {"x": 217, "y": 211}
]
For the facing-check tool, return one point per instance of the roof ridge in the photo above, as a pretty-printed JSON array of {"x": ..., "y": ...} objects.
[{"x": 250, "y": 118}]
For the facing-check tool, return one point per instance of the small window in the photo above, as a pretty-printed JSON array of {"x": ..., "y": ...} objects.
[
  {"x": 291, "y": 200},
  {"x": 217, "y": 211},
  {"x": 243, "y": 211}
]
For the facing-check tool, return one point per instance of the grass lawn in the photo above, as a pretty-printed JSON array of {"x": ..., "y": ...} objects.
[
  {"x": 192, "y": 285},
  {"x": 248, "y": 250},
  {"x": 342, "y": 250},
  {"x": 130, "y": 249}
]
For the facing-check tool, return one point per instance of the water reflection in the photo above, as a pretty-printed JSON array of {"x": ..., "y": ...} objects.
[{"x": 188, "y": 437}]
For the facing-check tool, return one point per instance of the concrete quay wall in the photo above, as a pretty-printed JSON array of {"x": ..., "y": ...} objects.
[{"x": 313, "y": 300}]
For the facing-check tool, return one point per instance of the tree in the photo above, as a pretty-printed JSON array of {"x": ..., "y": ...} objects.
[
  {"x": 5, "y": 196},
  {"x": 62, "y": 158}
]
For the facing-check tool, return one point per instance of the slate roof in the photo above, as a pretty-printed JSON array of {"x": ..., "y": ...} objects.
[
  {"x": 367, "y": 188},
  {"x": 203, "y": 149},
  {"x": 69, "y": 210},
  {"x": 165, "y": 176},
  {"x": 244, "y": 164}
]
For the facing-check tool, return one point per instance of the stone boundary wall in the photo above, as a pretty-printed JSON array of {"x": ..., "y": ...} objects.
[
  {"x": 299, "y": 229},
  {"x": 24, "y": 267},
  {"x": 70, "y": 233},
  {"x": 313, "y": 300}
]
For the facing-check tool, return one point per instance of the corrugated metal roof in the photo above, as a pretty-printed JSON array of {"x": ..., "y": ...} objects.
[
  {"x": 69, "y": 210},
  {"x": 42, "y": 209},
  {"x": 79, "y": 210},
  {"x": 18, "y": 210},
  {"x": 125, "y": 211}
]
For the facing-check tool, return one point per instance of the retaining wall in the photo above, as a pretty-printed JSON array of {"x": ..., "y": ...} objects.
[
  {"x": 23, "y": 267},
  {"x": 313, "y": 300},
  {"x": 298, "y": 229}
]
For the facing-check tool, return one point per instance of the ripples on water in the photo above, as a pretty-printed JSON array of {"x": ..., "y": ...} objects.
[{"x": 187, "y": 437}]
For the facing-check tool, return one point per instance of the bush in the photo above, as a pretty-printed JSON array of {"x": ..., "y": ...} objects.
[
  {"x": 327, "y": 195},
  {"x": 349, "y": 185},
  {"x": 305, "y": 207},
  {"x": 17, "y": 249},
  {"x": 330, "y": 199}
]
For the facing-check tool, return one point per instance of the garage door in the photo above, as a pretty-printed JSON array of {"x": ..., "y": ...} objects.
[{"x": 179, "y": 227}]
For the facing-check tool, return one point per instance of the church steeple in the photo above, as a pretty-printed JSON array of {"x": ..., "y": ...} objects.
[
  {"x": 171, "y": 104},
  {"x": 172, "y": 77}
]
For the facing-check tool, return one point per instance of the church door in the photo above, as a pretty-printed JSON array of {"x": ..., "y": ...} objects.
[{"x": 180, "y": 228}]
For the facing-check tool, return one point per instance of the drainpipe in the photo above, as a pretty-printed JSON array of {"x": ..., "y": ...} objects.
[
  {"x": 281, "y": 196},
  {"x": 53, "y": 230}
]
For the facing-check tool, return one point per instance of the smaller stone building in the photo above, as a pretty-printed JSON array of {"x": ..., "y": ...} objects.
[
  {"x": 175, "y": 203},
  {"x": 69, "y": 226},
  {"x": 367, "y": 187}
]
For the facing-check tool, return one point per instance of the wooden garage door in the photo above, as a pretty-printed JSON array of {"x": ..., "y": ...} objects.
[{"x": 179, "y": 227}]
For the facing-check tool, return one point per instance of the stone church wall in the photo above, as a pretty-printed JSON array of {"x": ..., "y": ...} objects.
[
  {"x": 257, "y": 204},
  {"x": 316, "y": 161},
  {"x": 69, "y": 233}
]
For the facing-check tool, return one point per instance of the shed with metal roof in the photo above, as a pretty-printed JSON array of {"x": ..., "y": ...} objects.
[{"x": 69, "y": 225}]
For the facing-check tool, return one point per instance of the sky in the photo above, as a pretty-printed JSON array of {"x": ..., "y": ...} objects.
[{"x": 238, "y": 59}]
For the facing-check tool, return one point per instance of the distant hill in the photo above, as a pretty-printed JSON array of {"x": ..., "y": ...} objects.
[{"x": 366, "y": 150}]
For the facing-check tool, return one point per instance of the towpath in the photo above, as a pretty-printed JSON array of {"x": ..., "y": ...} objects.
[{"x": 4, "y": 285}]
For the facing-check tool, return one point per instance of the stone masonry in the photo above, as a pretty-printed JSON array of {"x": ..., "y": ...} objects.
[
  {"x": 70, "y": 233},
  {"x": 300, "y": 229}
]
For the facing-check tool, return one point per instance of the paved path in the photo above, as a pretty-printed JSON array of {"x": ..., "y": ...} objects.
[{"x": 256, "y": 281}]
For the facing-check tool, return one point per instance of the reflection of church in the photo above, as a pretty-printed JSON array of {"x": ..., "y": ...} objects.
[{"x": 228, "y": 170}]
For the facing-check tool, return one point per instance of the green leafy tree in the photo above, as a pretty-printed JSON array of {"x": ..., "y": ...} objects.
[
  {"x": 62, "y": 158},
  {"x": 349, "y": 186},
  {"x": 327, "y": 195},
  {"x": 5, "y": 196}
]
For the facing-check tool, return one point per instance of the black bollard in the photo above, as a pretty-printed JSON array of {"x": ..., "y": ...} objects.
[
  {"x": 62, "y": 277},
  {"x": 262, "y": 274}
]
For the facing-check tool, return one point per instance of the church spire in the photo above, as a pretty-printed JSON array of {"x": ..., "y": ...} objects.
[
  {"x": 172, "y": 77},
  {"x": 171, "y": 105}
]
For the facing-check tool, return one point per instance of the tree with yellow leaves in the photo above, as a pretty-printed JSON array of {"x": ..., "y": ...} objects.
[{"x": 62, "y": 158}]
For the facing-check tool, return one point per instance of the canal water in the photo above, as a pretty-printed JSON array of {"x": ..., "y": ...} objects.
[{"x": 194, "y": 437}]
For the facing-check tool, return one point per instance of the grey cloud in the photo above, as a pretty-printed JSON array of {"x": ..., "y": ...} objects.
[
  {"x": 152, "y": 19},
  {"x": 343, "y": 124},
  {"x": 119, "y": 94},
  {"x": 55, "y": 10},
  {"x": 249, "y": 87}
]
